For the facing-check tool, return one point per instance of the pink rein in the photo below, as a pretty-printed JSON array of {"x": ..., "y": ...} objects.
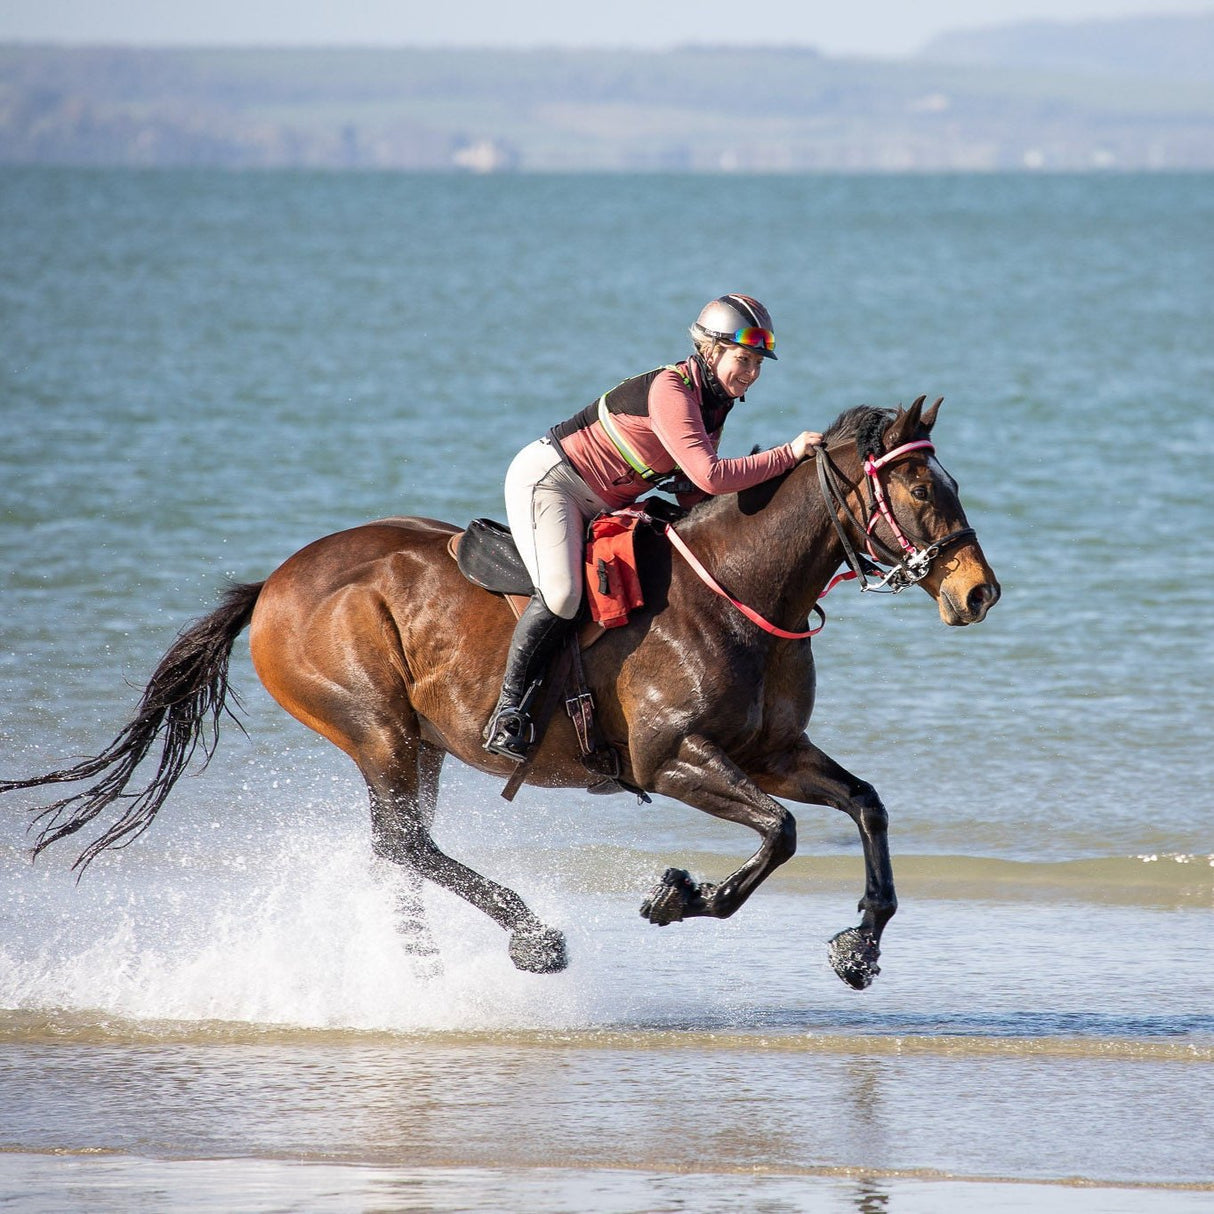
[{"x": 749, "y": 612}]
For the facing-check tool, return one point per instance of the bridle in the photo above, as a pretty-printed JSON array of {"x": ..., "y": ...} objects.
[{"x": 908, "y": 566}]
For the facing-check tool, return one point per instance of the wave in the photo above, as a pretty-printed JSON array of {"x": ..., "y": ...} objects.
[
  {"x": 301, "y": 937},
  {"x": 1076, "y": 1037},
  {"x": 1168, "y": 881},
  {"x": 1163, "y": 880}
]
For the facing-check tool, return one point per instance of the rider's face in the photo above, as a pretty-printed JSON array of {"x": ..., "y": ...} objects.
[{"x": 737, "y": 367}]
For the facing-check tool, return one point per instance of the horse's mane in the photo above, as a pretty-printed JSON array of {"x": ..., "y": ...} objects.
[{"x": 865, "y": 423}]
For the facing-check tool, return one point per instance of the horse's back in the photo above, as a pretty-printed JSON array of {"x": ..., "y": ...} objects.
[{"x": 344, "y": 554}]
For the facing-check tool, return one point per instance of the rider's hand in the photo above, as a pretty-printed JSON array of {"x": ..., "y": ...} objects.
[{"x": 803, "y": 444}]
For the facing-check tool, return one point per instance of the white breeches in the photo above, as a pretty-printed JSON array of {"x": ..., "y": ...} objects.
[{"x": 548, "y": 506}]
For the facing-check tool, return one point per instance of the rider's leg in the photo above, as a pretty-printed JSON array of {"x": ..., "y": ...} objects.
[
  {"x": 548, "y": 506},
  {"x": 537, "y": 635}
]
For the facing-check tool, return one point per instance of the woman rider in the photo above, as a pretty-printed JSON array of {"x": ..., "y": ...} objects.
[{"x": 643, "y": 431}]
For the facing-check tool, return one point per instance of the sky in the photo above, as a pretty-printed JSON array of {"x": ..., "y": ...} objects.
[{"x": 835, "y": 27}]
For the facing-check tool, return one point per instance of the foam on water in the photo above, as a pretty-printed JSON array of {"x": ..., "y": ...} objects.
[{"x": 310, "y": 939}]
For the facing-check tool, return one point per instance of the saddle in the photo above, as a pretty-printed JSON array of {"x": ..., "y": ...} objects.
[{"x": 488, "y": 557}]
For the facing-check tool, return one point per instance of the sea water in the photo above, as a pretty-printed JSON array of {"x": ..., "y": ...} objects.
[{"x": 202, "y": 372}]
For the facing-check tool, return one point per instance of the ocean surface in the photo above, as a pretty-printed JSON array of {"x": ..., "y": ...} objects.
[{"x": 202, "y": 372}]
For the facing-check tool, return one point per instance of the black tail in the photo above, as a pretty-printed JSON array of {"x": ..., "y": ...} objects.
[{"x": 181, "y": 706}]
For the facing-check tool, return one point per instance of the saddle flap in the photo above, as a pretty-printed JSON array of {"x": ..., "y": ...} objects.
[{"x": 487, "y": 557}]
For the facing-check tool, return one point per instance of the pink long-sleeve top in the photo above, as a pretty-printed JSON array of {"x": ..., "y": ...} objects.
[{"x": 672, "y": 435}]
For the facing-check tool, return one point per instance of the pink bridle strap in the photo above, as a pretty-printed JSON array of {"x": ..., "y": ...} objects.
[
  {"x": 871, "y": 468},
  {"x": 753, "y": 616},
  {"x": 922, "y": 444}
]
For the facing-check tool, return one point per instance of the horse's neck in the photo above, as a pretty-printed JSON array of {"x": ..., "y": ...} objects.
[{"x": 777, "y": 557}]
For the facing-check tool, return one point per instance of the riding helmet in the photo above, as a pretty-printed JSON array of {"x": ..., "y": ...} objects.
[{"x": 738, "y": 320}]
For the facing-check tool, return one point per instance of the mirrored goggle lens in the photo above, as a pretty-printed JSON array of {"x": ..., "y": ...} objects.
[{"x": 756, "y": 338}]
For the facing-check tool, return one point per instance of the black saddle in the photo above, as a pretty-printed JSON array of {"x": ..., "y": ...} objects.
[{"x": 488, "y": 557}]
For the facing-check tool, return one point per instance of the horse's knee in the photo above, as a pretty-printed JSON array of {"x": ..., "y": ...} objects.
[{"x": 874, "y": 819}]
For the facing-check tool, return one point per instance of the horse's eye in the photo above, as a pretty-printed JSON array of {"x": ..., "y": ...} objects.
[{"x": 921, "y": 493}]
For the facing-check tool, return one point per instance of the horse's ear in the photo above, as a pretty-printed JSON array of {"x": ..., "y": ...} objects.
[
  {"x": 928, "y": 418},
  {"x": 910, "y": 424},
  {"x": 902, "y": 428}
]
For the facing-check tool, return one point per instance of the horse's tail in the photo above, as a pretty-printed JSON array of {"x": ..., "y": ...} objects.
[{"x": 181, "y": 706}]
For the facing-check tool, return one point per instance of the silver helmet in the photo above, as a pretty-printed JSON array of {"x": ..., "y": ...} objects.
[{"x": 739, "y": 320}]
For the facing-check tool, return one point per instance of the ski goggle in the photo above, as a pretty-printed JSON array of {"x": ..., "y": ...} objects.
[{"x": 755, "y": 338}]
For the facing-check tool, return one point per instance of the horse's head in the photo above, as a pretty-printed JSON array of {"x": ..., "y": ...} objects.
[{"x": 913, "y": 516}]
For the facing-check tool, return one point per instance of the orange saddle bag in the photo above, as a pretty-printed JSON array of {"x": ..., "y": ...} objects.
[{"x": 613, "y": 586}]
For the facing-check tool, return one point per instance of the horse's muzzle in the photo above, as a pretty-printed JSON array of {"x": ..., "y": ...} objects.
[{"x": 972, "y": 609}]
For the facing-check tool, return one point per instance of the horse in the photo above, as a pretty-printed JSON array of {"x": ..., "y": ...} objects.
[{"x": 373, "y": 638}]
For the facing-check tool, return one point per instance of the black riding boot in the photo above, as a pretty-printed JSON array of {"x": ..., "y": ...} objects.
[{"x": 537, "y": 635}]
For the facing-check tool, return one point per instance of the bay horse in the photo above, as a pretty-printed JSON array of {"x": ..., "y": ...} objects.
[{"x": 373, "y": 638}]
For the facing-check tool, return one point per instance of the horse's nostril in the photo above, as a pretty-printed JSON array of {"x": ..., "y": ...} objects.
[{"x": 982, "y": 598}]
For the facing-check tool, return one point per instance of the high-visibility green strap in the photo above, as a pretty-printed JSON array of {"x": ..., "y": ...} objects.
[{"x": 627, "y": 452}]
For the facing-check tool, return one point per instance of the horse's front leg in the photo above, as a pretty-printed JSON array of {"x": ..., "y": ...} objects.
[
  {"x": 807, "y": 774},
  {"x": 703, "y": 776}
]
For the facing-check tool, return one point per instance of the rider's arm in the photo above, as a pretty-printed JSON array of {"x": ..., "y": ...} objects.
[{"x": 674, "y": 413}]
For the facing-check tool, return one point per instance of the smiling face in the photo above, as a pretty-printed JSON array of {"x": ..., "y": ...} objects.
[{"x": 736, "y": 368}]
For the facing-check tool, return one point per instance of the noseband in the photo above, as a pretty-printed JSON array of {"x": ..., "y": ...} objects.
[{"x": 909, "y": 566}]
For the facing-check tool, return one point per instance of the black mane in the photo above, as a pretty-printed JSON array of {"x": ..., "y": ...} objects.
[{"x": 865, "y": 423}]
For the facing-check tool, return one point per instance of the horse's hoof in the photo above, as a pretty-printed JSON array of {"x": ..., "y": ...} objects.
[
  {"x": 853, "y": 955},
  {"x": 538, "y": 950},
  {"x": 672, "y": 899}
]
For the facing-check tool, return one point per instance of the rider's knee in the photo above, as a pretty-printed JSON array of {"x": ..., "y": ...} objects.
[{"x": 562, "y": 598}]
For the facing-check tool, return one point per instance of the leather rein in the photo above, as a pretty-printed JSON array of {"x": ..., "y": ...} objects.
[{"x": 909, "y": 566}]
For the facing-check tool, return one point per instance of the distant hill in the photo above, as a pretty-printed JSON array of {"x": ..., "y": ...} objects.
[
  {"x": 787, "y": 110},
  {"x": 1165, "y": 47}
]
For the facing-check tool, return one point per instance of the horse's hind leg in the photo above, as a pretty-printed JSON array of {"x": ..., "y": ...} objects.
[
  {"x": 403, "y": 783},
  {"x": 410, "y": 905}
]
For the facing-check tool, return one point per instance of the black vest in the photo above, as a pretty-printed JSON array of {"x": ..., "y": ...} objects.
[{"x": 632, "y": 397}]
